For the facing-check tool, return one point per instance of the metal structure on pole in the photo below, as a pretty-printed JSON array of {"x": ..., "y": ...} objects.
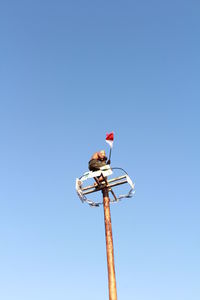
[{"x": 105, "y": 186}]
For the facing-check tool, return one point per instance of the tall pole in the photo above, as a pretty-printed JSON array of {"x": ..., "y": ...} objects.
[{"x": 109, "y": 246}]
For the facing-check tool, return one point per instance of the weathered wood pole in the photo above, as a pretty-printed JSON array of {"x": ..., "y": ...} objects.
[{"x": 109, "y": 246}]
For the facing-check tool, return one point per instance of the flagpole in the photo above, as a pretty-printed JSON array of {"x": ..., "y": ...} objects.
[
  {"x": 109, "y": 140},
  {"x": 110, "y": 153}
]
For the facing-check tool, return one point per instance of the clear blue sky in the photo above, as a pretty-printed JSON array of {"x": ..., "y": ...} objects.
[{"x": 70, "y": 71}]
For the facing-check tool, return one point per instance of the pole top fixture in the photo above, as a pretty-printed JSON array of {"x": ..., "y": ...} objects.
[{"x": 104, "y": 172}]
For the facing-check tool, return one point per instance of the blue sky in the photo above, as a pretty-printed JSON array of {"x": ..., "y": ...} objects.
[{"x": 70, "y": 71}]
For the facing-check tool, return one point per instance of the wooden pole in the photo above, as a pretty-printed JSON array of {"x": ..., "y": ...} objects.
[{"x": 109, "y": 246}]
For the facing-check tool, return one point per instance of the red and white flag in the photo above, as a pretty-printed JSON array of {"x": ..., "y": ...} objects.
[{"x": 110, "y": 138}]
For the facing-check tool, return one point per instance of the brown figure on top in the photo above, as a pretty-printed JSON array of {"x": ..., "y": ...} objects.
[{"x": 98, "y": 160}]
